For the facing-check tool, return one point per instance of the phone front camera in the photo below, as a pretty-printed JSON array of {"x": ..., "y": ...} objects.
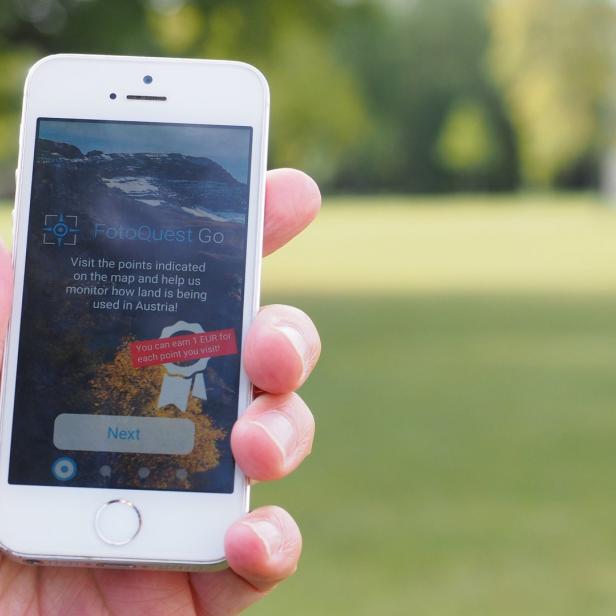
[
  {"x": 148, "y": 79},
  {"x": 113, "y": 96}
]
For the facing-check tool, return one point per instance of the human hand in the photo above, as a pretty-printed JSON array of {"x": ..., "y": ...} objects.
[{"x": 269, "y": 441}]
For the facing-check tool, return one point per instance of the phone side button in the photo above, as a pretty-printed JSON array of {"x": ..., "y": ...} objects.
[{"x": 117, "y": 522}]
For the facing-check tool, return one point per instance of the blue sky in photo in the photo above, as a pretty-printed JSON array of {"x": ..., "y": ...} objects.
[{"x": 228, "y": 146}]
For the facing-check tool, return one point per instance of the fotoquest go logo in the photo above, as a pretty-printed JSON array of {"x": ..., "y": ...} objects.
[{"x": 60, "y": 230}]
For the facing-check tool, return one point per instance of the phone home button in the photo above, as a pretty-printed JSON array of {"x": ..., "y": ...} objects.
[{"x": 117, "y": 522}]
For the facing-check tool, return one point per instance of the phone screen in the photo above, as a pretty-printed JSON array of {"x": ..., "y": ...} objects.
[{"x": 129, "y": 352}]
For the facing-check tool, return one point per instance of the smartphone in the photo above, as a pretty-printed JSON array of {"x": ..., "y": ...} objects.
[{"x": 137, "y": 251}]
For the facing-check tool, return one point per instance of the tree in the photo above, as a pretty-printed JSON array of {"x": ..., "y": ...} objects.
[
  {"x": 553, "y": 59},
  {"x": 317, "y": 114},
  {"x": 417, "y": 64}
]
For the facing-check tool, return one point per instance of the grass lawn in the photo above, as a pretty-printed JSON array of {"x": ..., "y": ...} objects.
[
  {"x": 464, "y": 462},
  {"x": 465, "y": 405}
]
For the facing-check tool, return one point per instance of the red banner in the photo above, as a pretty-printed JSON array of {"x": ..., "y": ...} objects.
[{"x": 178, "y": 349}]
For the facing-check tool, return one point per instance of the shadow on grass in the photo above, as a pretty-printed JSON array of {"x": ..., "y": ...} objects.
[{"x": 464, "y": 458}]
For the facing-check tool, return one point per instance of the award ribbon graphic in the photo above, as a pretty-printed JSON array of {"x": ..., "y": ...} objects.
[
  {"x": 179, "y": 380},
  {"x": 199, "y": 346}
]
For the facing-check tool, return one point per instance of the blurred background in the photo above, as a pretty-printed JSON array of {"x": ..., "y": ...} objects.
[{"x": 461, "y": 273}]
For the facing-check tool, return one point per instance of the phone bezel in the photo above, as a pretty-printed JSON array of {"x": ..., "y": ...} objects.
[{"x": 50, "y": 523}]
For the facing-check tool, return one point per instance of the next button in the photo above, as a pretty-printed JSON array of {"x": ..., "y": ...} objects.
[
  {"x": 123, "y": 433},
  {"x": 128, "y": 435}
]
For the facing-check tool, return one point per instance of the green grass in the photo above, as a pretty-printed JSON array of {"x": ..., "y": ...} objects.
[
  {"x": 462, "y": 244},
  {"x": 464, "y": 461},
  {"x": 465, "y": 403},
  {"x": 465, "y": 406}
]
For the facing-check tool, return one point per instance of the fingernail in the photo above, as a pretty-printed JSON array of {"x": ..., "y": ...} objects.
[
  {"x": 269, "y": 533},
  {"x": 279, "y": 429},
  {"x": 297, "y": 339}
]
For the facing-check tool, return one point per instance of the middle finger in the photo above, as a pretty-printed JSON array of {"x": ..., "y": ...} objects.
[
  {"x": 273, "y": 436},
  {"x": 282, "y": 347}
]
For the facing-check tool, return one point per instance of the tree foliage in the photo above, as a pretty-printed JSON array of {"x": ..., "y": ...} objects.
[
  {"x": 317, "y": 114},
  {"x": 554, "y": 59},
  {"x": 428, "y": 95},
  {"x": 416, "y": 63},
  {"x": 465, "y": 143}
]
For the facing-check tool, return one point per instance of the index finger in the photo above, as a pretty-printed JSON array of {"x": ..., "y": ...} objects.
[{"x": 292, "y": 200}]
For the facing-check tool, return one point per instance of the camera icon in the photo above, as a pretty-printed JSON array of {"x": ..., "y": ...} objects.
[
  {"x": 60, "y": 230},
  {"x": 64, "y": 468}
]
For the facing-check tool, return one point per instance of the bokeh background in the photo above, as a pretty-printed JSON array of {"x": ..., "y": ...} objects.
[{"x": 462, "y": 274}]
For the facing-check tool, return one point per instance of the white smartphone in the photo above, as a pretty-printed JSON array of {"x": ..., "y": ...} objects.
[{"x": 137, "y": 251}]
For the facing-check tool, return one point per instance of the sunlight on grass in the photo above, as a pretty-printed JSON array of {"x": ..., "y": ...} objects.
[
  {"x": 463, "y": 462},
  {"x": 399, "y": 245}
]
